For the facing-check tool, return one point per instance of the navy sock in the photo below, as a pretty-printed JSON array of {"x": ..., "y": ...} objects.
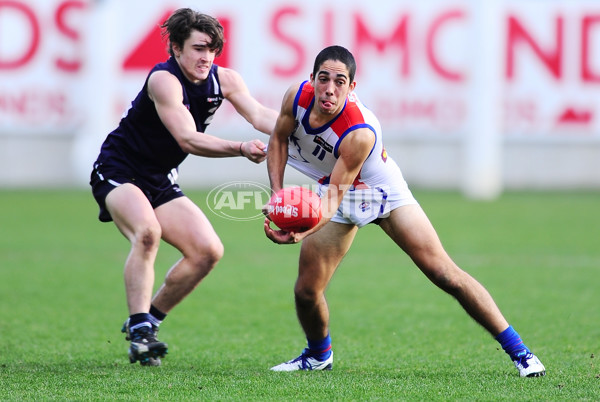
[
  {"x": 512, "y": 344},
  {"x": 139, "y": 320},
  {"x": 156, "y": 316},
  {"x": 320, "y": 349}
]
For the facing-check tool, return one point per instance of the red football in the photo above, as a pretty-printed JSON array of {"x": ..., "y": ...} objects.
[{"x": 295, "y": 209}]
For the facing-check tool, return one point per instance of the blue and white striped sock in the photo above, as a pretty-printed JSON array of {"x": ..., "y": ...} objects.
[
  {"x": 512, "y": 344},
  {"x": 320, "y": 349},
  {"x": 156, "y": 316},
  {"x": 139, "y": 320}
]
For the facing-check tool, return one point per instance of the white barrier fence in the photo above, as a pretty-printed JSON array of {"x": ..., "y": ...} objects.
[{"x": 477, "y": 95}]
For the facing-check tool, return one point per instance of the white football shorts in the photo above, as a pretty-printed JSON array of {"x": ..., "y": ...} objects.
[{"x": 362, "y": 206}]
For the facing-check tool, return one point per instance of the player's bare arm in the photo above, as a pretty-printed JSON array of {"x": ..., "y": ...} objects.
[
  {"x": 353, "y": 152},
  {"x": 277, "y": 158},
  {"x": 278, "y": 142},
  {"x": 235, "y": 91},
  {"x": 165, "y": 91}
]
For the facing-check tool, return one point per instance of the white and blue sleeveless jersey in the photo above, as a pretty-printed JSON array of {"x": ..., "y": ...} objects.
[{"x": 314, "y": 150}]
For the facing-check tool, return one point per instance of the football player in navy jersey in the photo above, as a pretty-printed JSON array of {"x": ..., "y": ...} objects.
[
  {"x": 325, "y": 132},
  {"x": 134, "y": 177}
]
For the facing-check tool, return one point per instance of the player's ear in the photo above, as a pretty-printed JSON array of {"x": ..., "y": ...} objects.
[
  {"x": 352, "y": 85},
  {"x": 176, "y": 49}
]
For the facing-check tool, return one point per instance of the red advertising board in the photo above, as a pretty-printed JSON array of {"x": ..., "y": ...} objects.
[{"x": 415, "y": 60}]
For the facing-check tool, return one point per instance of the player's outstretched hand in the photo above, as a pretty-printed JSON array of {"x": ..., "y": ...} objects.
[
  {"x": 281, "y": 236},
  {"x": 254, "y": 150}
]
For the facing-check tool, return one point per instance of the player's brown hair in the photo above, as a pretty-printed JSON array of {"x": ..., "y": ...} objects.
[{"x": 179, "y": 26}]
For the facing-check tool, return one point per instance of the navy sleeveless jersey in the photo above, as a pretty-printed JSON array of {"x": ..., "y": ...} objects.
[{"x": 142, "y": 142}]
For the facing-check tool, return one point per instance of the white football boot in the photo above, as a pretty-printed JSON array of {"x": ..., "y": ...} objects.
[{"x": 306, "y": 363}]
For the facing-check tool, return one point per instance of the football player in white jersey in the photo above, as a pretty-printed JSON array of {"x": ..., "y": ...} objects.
[{"x": 325, "y": 132}]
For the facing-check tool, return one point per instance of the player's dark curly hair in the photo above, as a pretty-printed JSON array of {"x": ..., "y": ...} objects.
[
  {"x": 179, "y": 26},
  {"x": 338, "y": 53}
]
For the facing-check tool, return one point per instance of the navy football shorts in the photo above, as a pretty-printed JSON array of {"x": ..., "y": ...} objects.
[{"x": 159, "y": 189}]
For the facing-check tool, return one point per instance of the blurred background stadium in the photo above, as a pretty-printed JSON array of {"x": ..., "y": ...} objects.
[{"x": 480, "y": 96}]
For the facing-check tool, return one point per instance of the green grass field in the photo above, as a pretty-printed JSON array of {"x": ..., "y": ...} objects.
[{"x": 395, "y": 336}]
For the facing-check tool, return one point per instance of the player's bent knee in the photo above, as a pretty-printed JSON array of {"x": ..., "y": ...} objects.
[
  {"x": 208, "y": 255},
  {"x": 447, "y": 280},
  {"x": 306, "y": 296},
  {"x": 148, "y": 238},
  {"x": 216, "y": 252}
]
